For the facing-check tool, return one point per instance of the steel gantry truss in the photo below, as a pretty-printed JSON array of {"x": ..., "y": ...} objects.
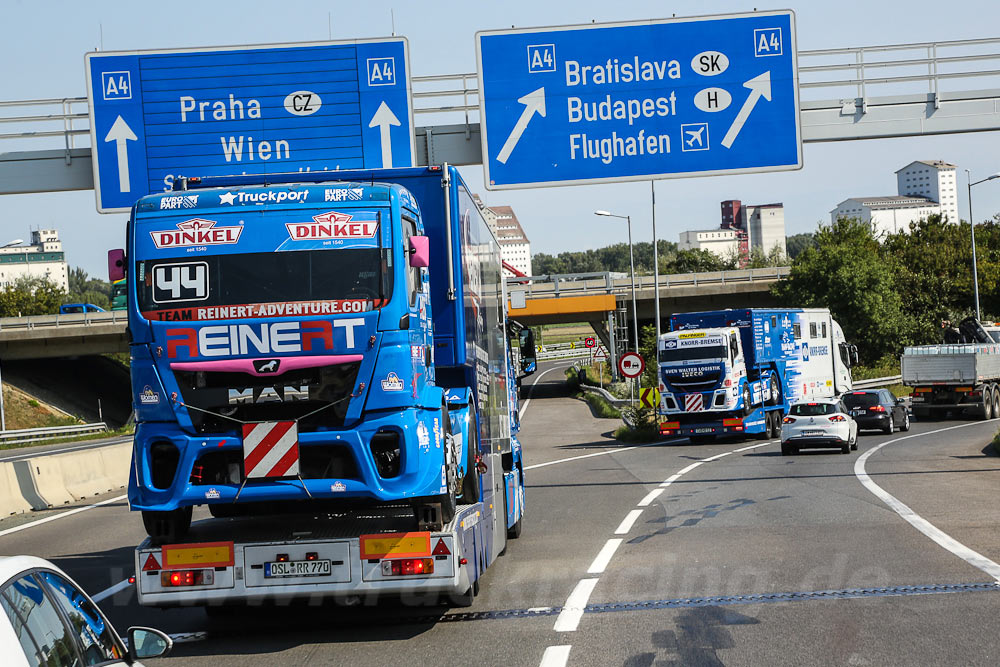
[{"x": 875, "y": 92}]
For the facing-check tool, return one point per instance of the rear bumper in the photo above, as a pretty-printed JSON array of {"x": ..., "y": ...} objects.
[
  {"x": 814, "y": 442},
  {"x": 873, "y": 422}
]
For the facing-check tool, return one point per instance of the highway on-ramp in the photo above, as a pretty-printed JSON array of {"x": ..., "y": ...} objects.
[{"x": 664, "y": 554}]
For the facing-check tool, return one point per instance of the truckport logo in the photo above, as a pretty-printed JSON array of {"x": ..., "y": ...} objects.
[
  {"x": 392, "y": 383},
  {"x": 332, "y": 225},
  {"x": 148, "y": 396},
  {"x": 196, "y": 232},
  {"x": 266, "y": 365}
]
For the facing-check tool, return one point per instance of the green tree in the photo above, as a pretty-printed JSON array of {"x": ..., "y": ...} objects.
[
  {"x": 84, "y": 289},
  {"x": 852, "y": 274},
  {"x": 796, "y": 243},
  {"x": 30, "y": 295}
]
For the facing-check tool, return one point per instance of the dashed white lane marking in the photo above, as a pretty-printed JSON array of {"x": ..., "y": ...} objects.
[
  {"x": 108, "y": 592},
  {"x": 650, "y": 497},
  {"x": 555, "y": 656},
  {"x": 61, "y": 515},
  {"x": 944, "y": 540},
  {"x": 628, "y": 522},
  {"x": 572, "y": 612},
  {"x": 604, "y": 557}
]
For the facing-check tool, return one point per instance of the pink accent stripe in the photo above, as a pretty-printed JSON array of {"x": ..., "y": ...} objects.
[{"x": 285, "y": 364}]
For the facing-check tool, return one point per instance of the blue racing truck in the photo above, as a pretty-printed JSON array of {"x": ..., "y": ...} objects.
[
  {"x": 324, "y": 360},
  {"x": 735, "y": 372}
]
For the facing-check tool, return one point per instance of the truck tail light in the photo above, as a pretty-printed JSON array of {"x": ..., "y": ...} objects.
[
  {"x": 178, "y": 578},
  {"x": 732, "y": 422},
  {"x": 788, "y": 420},
  {"x": 404, "y": 567},
  {"x": 838, "y": 418}
]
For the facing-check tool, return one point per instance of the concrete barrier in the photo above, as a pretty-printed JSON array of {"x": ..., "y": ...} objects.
[
  {"x": 60, "y": 479},
  {"x": 11, "y": 500}
]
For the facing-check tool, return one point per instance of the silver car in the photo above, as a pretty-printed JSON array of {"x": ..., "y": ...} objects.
[{"x": 818, "y": 423}]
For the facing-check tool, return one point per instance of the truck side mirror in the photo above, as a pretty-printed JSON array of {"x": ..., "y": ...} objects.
[
  {"x": 420, "y": 251},
  {"x": 116, "y": 264},
  {"x": 528, "y": 353}
]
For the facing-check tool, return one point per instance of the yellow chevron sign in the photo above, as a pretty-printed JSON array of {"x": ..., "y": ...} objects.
[{"x": 649, "y": 397}]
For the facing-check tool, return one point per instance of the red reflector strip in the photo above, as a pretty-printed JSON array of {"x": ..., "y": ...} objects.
[
  {"x": 406, "y": 567},
  {"x": 179, "y": 578}
]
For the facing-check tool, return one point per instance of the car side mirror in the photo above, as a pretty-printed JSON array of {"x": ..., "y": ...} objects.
[
  {"x": 420, "y": 251},
  {"x": 148, "y": 643},
  {"x": 116, "y": 264}
]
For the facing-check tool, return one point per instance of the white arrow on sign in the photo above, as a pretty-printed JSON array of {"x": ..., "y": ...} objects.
[
  {"x": 533, "y": 101},
  {"x": 382, "y": 119},
  {"x": 760, "y": 86},
  {"x": 119, "y": 133}
]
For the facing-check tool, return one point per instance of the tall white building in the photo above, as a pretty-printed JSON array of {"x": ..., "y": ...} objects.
[
  {"x": 515, "y": 248},
  {"x": 722, "y": 243},
  {"x": 766, "y": 223},
  {"x": 44, "y": 258},
  {"x": 933, "y": 179},
  {"x": 925, "y": 187}
]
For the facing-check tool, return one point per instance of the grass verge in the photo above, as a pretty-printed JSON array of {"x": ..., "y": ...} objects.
[
  {"x": 75, "y": 438},
  {"x": 643, "y": 434}
]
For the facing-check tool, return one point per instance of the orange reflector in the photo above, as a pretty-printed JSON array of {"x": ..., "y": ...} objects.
[
  {"x": 441, "y": 549},
  {"x": 732, "y": 422},
  {"x": 204, "y": 554},
  {"x": 670, "y": 426},
  {"x": 395, "y": 545},
  {"x": 151, "y": 564},
  {"x": 964, "y": 390},
  {"x": 923, "y": 390}
]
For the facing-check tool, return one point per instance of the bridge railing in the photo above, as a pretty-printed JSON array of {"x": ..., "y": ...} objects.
[
  {"x": 64, "y": 320},
  {"x": 578, "y": 284}
]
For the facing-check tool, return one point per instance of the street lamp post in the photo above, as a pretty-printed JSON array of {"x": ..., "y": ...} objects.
[
  {"x": 3, "y": 419},
  {"x": 631, "y": 260},
  {"x": 972, "y": 225}
]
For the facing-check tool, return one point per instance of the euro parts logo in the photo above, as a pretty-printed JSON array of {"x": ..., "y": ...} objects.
[{"x": 178, "y": 201}]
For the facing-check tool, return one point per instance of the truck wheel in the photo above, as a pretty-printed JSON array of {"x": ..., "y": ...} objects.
[
  {"x": 167, "y": 527},
  {"x": 449, "y": 500},
  {"x": 775, "y": 392},
  {"x": 988, "y": 407},
  {"x": 467, "y": 598},
  {"x": 747, "y": 408},
  {"x": 470, "y": 483}
]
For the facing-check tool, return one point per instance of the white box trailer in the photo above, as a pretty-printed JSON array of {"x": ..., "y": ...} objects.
[{"x": 953, "y": 378}]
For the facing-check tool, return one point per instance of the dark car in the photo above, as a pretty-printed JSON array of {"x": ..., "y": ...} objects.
[{"x": 877, "y": 409}]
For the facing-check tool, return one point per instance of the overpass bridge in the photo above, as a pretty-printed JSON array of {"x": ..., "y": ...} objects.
[{"x": 593, "y": 298}]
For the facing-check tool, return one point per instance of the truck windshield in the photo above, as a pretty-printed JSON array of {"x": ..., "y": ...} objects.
[
  {"x": 694, "y": 353},
  {"x": 307, "y": 282}
]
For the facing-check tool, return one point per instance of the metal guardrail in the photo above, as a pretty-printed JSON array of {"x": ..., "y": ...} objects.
[
  {"x": 68, "y": 319},
  {"x": 847, "y": 76},
  {"x": 47, "y": 433},
  {"x": 556, "y": 285},
  {"x": 875, "y": 383}
]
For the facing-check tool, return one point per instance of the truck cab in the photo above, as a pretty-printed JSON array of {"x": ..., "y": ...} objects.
[{"x": 699, "y": 363}]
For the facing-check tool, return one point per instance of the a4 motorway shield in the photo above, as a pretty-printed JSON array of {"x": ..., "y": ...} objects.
[{"x": 640, "y": 100}]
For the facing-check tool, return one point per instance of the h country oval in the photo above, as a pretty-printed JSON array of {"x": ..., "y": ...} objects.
[{"x": 713, "y": 99}]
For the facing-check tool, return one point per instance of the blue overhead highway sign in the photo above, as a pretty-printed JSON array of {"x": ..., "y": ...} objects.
[
  {"x": 157, "y": 115},
  {"x": 640, "y": 100}
]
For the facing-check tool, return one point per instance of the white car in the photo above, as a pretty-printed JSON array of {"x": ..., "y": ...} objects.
[
  {"x": 818, "y": 423},
  {"x": 49, "y": 620}
]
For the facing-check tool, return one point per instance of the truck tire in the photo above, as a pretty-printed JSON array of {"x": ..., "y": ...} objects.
[
  {"x": 986, "y": 408},
  {"x": 747, "y": 408},
  {"x": 167, "y": 527},
  {"x": 449, "y": 500},
  {"x": 775, "y": 392},
  {"x": 470, "y": 482}
]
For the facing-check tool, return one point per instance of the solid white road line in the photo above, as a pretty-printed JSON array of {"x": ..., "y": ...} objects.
[
  {"x": 555, "y": 656},
  {"x": 61, "y": 515},
  {"x": 628, "y": 522},
  {"x": 532, "y": 390},
  {"x": 583, "y": 456},
  {"x": 569, "y": 617},
  {"x": 650, "y": 497},
  {"x": 604, "y": 557},
  {"x": 944, "y": 540},
  {"x": 108, "y": 592}
]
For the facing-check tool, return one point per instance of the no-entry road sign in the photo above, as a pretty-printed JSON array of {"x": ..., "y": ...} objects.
[
  {"x": 631, "y": 364},
  {"x": 158, "y": 115},
  {"x": 639, "y": 100}
]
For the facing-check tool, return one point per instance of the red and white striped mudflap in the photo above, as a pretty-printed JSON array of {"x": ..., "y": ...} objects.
[
  {"x": 271, "y": 449},
  {"x": 693, "y": 403}
]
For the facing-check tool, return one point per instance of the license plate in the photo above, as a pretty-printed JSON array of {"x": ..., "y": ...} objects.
[
  {"x": 855, "y": 413},
  {"x": 704, "y": 430},
  {"x": 298, "y": 568},
  {"x": 812, "y": 433}
]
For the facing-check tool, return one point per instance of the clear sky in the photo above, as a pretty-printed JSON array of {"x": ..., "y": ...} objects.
[{"x": 42, "y": 44}]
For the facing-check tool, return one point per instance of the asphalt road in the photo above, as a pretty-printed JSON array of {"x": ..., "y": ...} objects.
[{"x": 654, "y": 555}]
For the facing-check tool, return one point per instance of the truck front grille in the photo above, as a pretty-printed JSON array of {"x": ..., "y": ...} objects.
[{"x": 225, "y": 397}]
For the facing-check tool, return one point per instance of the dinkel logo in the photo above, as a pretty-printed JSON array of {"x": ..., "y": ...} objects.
[
  {"x": 266, "y": 365},
  {"x": 196, "y": 232},
  {"x": 332, "y": 225}
]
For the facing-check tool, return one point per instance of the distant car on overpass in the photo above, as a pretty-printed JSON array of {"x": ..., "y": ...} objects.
[{"x": 79, "y": 308}]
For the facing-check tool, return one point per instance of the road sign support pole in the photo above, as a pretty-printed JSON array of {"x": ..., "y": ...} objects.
[{"x": 656, "y": 286}]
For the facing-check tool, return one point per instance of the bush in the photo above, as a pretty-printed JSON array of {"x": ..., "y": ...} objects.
[{"x": 645, "y": 434}]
